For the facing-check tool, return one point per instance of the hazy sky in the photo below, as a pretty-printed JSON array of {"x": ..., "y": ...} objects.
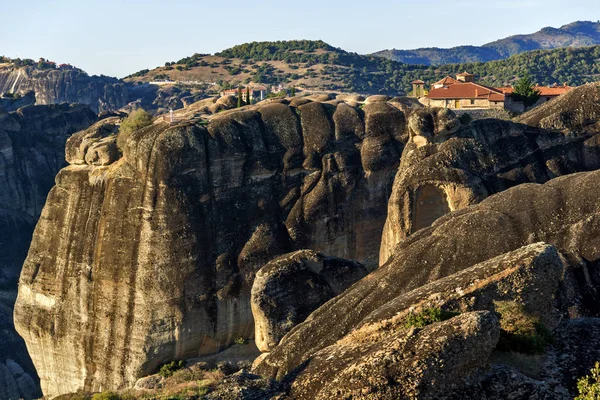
[{"x": 117, "y": 38}]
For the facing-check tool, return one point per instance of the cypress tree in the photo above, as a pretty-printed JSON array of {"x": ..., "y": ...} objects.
[
  {"x": 526, "y": 92},
  {"x": 248, "y": 96},
  {"x": 239, "y": 96}
]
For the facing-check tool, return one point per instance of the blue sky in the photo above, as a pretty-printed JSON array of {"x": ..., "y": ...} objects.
[{"x": 116, "y": 38}]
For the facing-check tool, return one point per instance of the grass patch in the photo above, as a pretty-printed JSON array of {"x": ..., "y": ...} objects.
[
  {"x": 521, "y": 331},
  {"x": 167, "y": 370},
  {"x": 428, "y": 316}
]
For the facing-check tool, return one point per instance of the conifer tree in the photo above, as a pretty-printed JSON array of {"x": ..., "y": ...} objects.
[
  {"x": 239, "y": 104},
  {"x": 248, "y": 96},
  {"x": 526, "y": 92}
]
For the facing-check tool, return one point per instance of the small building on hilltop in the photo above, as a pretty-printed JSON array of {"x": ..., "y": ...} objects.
[
  {"x": 418, "y": 88},
  {"x": 547, "y": 93},
  {"x": 463, "y": 93},
  {"x": 257, "y": 93}
]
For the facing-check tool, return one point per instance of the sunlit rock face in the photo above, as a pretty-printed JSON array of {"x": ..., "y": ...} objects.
[
  {"x": 147, "y": 253},
  {"x": 32, "y": 144},
  {"x": 536, "y": 245},
  {"x": 55, "y": 86},
  {"x": 446, "y": 167}
]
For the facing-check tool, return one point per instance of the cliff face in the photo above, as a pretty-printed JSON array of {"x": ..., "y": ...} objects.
[
  {"x": 443, "y": 171},
  {"x": 53, "y": 86},
  {"x": 31, "y": 153},
  {"x": 466, "y": 261},
  {"x": 151, "y": 257}
]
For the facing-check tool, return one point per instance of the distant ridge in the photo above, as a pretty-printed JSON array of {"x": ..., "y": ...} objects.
[{"x": 576, "y": 34}]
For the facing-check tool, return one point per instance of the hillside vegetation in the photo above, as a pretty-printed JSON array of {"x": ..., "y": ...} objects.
[
  {"x": 315, "y": 65},
  {"x": 576, "y": 34}
]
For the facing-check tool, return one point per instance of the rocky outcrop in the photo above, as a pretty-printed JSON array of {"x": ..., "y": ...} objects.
[
  {"x": 170, "y": 236},
  {"x": 53, "y": 86},
  {"x": 15, "y": 383},
  {"x": 423, "y": 364},
  {"x": 446, "y": 168},
  {"x": 576, "y": 111},
  {"x": 563, "y": 212},
  {"x": 32, "y": 144},
  {"x": 161, "y": 99},
  {"x": 246, "y": 386},
  {"x": 289, "y": 288},
  {"x": 13, "y": 103}
]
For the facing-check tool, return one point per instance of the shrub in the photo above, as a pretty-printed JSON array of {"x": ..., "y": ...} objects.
[
  {"x": 465, "y": 119},
  {"x": 428, "y": 316},
  {"x": 137, "y": 119},
  {"x": 588, "y": 387},
  {"x": 106, "y": 396},
  {"x": 167, "y": 370},
  {"x": 519, "y": 330},
  {"x": 240, "y": 340}
]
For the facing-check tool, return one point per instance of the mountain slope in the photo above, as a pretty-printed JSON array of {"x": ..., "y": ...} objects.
[
  {"x": 576, "y": 34},
  {"x": 320, "y": 67},
  {"x": 53, "y": 85},
  {"x": 313, "y": 65}
]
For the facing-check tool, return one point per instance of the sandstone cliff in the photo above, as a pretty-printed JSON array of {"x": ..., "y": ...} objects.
[
  {"x": 341, "y": 338},
  {"x": 151, "y": 257},
  {"x": 53, "y": 86},
  {"x": 446, "y": 168},
  {"x": 31, "y": 153}
]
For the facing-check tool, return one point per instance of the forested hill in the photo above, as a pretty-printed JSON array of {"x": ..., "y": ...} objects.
[
  {"x": 576, "y": 34},
  {"x": 575, "y": 66},
  {"x": 315, "y": 65}
]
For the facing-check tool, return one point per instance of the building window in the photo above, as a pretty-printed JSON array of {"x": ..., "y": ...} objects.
[{"x": 472, "y": 102}]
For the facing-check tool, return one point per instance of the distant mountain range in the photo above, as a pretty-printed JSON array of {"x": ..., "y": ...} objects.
[{"x": 576, "y": 34}]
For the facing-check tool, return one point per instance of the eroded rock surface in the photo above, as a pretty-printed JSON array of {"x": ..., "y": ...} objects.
[
  {"x": 55, "y": 86},
  {"x": 289, "y": 288},
  {"x": 576, "y": 111},
  {"x": 563, "y": 212},
  {"x": 151, "y": 258},
  {"x": 32, "y": 142},
  {"x": 446, "y": 167}
]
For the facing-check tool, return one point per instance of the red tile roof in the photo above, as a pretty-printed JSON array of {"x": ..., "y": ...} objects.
[
  {"x": 466, "y": 90},
  {"x": 446, "y": 81},
  {"x": 545, "y": 91}
]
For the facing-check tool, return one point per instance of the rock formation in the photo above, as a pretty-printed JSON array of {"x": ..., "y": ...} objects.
[
  {"x": 446, "y": 167},
  {"x": 53, "y": 86},
  {"x": 290, "y": 287},
  {"x": 151, "y": 257},
  {"x": 32, "y": 144},
  {"x": 439, "y": 265},
  {"x": 576, "y": 111}
]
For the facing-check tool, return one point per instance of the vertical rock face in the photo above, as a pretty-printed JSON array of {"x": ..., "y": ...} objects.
[
  {"x": 53, "y": 86},
  {"x": 445, "y": 168},
  {"x": 31, "y": 153},
  {"x": 563, "y": 212},
  {"x": 151, "y": 257}
]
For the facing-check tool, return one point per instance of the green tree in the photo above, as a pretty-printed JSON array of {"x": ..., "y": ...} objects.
[
  {"x": 526, "y": 92},
  {"x": 248, "y": 101},
  {"x": 136, "y": 120},
  {"x": 293, "y": 91},
  {"x": 589, "y": 386},
  {"x": 239, "y": 96}
]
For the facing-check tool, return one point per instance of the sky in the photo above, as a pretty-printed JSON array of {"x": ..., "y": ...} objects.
[{"x": 117, "y": 38}]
